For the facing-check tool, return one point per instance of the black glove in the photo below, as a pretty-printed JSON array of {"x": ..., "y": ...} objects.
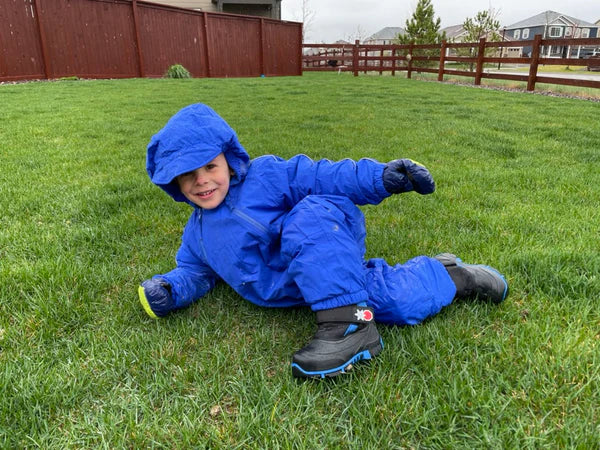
[
  {"x": 155, "y": 297},
  {"x": 405, "y": 175}
]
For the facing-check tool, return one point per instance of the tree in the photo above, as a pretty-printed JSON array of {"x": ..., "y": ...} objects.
[
  {"x": 359, "y": 34},
  {"x": 484, "y": 24},
  {"x": 422, "y": 28},
  {"x": 308, "y": 15}
]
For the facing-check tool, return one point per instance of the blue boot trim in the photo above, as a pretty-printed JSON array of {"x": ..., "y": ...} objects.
[
  {"x": 351, "y": 329},
  {"x": 364, "y": 355}
]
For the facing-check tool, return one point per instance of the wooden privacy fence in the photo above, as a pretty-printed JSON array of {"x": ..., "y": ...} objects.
[
  {"x": 130, "y": 38},
  {"x": 436, "y": 58}
]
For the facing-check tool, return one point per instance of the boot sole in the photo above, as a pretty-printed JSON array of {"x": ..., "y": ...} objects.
[{"x": 372, "y": 351}]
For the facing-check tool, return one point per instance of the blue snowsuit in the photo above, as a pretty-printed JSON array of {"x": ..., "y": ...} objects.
[{"x": 289, "y": 232}]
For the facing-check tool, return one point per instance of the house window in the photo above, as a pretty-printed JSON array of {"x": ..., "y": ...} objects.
[
  {"x": 585, "y": 33},
  {"x": 525, "y": 33},
  {"x": 517, "y": 34},
  {"x": 568, "y": 31},
  {"x": 555, "y": 32}
]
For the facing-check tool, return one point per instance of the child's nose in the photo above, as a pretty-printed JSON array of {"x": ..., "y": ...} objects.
[{"x": 200, "y": 178}]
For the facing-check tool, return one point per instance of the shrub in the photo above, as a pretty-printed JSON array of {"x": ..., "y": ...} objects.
[{"x": 177, "y": 71}]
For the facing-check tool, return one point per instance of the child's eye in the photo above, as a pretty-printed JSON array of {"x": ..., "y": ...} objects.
[
  {"x": 185, "y": 177},
  {"x": 210, "y": 166}
]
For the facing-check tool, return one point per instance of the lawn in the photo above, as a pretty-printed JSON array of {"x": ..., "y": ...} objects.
[{"x": 82, "y": 366}]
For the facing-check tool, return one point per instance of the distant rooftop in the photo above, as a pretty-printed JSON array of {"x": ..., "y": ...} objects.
[
  {"x": 550, "y": 17},
  {"x": 454, "y": 31},
  {"x": 387, "y": 33}
]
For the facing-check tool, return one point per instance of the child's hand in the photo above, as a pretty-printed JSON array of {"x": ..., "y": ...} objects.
[
  {"x": 155, "y": 297},
  {"x": 405, "y": 175}
]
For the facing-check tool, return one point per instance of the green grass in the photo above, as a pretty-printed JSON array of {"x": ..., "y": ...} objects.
[{"x": 82, "y": 366}]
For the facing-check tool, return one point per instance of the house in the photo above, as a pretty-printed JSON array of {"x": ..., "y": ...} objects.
[
  {"x": 457, "y": 34},
  {"x": 385, "y": 36},
  {"x": 551, "y": 24},
  {"x": 262, "y": 8}
]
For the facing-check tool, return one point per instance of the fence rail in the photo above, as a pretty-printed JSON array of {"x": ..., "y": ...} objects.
[
  {"x": 130, "y": 38},
  {"x": 436, "y": 58}
]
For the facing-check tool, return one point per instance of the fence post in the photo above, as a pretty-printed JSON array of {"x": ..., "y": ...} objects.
[
  {"x": 409, "y": 57},
  {"x": 262, "y": 46},
  {"x": 301, "y": 50},
  {"x": 393, "y": 62},
  {"x": 206, "y": 46},
  {"x": 136, "y": 29},
  {"x": 47, "y": 71},
  {"x": 533, "y": 64},
  {"x": 355, "y": 58},
  {"x": 480, "y": 56},
  {"x": 442, "y": 61}
]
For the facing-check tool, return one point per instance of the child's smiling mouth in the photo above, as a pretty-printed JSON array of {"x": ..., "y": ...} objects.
[{"x": 206, "y": 193}]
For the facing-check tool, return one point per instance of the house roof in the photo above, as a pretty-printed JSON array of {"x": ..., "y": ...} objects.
[
  {"x": 386, "y": 33},
  {"x": 549, "y": 18},
  {"x": 454, "y": 31}
]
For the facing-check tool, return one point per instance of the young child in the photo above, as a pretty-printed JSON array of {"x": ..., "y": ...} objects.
[{"x": 288, "y": 233}]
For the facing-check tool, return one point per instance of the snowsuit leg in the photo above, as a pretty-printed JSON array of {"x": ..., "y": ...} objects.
[
  {"x": 406, "y": 294},
  {"x": 323, "y": 243}
]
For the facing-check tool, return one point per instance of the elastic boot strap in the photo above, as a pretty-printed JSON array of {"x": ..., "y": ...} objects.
[{"x": 346, "y": 314}]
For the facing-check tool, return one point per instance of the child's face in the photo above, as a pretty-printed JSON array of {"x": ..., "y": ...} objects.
[{"x": 208, "y": 185}]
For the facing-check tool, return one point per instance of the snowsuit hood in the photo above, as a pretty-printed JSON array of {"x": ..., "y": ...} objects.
[{"x": 192, "y": 138}]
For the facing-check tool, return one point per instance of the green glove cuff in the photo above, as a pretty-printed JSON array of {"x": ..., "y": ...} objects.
[{"x": 145, "y": 304}]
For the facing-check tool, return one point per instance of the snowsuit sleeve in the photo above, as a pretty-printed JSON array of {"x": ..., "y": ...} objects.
[
  {"x": 192, "y": 278},
  {"x": 361, "y": 181}
]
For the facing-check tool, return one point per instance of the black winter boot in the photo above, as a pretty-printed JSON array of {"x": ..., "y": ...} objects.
[
  {"x": 344, "y": 336},
  {"x": 474, "y": 280}
]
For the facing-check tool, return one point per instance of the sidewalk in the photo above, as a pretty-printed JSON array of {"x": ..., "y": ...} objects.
[{"x": 591, "y": 76}]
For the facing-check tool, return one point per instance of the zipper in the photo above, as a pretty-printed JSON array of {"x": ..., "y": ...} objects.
[
  {"x": 251, "y": 221},
  {"x": 201, "y": 237}
]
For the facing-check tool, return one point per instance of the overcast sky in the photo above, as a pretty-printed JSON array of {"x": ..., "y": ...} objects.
[{"x": 358, "y": 19}]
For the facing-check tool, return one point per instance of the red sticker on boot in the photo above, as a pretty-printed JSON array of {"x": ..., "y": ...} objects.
[{"x": 364, "y": 315}]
